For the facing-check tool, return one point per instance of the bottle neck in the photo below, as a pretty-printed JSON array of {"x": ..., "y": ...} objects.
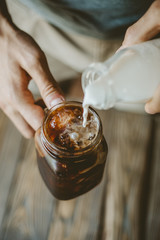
[{"x": 100, "y": 94}]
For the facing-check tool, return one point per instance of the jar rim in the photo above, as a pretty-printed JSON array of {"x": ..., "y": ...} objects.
[{"x": 51, "y": 147}]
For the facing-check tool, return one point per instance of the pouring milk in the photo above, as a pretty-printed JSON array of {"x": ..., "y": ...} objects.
[{"x": 130, "y": 75}]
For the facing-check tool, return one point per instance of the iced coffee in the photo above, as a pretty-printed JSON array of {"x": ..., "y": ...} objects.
[{"x": 71, "y": 158}]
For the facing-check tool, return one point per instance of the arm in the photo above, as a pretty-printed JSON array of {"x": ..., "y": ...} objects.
[
  {"x": 147, "y": 27},
  {"x": 22, "y": 59}
]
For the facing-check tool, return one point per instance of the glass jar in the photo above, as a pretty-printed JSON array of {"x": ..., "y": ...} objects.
[{"x": 70, "y": 173}]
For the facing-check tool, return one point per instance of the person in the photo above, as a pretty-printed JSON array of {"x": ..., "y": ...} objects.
[{"x": 22, "y": 59}]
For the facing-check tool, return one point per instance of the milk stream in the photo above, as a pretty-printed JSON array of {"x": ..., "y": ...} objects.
[
  {"x": 85, "y": 114},
  {"x": 131, "y": 75}
]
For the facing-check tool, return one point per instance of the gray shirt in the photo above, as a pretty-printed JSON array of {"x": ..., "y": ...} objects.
[{"x": 98, "y": 18}]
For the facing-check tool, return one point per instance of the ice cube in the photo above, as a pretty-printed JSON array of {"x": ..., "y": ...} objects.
[{"x": 74, "y": 135}]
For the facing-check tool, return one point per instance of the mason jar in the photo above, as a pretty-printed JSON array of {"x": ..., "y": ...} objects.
[{"x": 69, "y": 172}]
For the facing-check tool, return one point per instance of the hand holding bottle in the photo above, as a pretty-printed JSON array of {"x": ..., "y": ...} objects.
[{"x": 147, "y": 27}]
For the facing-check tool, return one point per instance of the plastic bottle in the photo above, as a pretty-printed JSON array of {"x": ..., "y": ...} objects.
[{"x": 131, "y": 75}]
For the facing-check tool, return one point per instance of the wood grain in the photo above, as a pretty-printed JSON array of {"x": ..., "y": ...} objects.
[
  {"x": 8, "y": 158},
  {"x": 152, "y": 227},
  {"x": 30, "y": 205},
  {"x": 125, "y": 206},
  {"x": 126, "y": 169}
]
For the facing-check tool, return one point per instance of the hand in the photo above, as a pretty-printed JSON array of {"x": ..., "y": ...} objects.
[
  {"x": 22, "y": 59},
  {"x": 143, "y": 30}
]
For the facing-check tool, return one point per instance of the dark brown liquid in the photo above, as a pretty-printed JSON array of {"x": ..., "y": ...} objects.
[
  {"x": 68, "y": 177},
  {"x": 65, "y": 128}
]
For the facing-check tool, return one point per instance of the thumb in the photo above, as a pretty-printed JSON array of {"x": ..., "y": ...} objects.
[
  {"x": 153, "y": 105},
  {"x": 145, "y": 28},
  {"x": 48, "y": 87}
]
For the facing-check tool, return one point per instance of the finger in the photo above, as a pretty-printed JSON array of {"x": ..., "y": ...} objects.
[
  {"x": 145, "y": 28},
  {"x": 153, "y": 105},
  {"x": 32, "y": 113},
  {"x": 21, "y": 99},
  {"x": 19, "y": 122},
  {"x": 49, "y": 89}
]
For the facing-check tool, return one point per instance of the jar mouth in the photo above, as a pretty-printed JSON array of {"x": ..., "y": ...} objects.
[{"x": 55, "y": 149}]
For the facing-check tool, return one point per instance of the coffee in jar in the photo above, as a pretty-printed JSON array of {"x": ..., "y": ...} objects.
[{"x": 71, "y": 158}]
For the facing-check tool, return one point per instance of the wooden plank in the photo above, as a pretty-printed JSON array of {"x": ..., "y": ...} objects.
[
  {"x": 126, "y": 170},
  {"x": 30, "y": 205},
  {"x": 153, "y": 217},
  {"x": 10, "y": 140},
  {"x": 32, "y": 213}
]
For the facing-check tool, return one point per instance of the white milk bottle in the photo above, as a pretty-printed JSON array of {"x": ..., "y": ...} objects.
[{"x": 131, "y": 75}]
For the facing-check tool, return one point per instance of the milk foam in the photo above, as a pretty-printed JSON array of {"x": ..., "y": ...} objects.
[{"x": 78, "y": 135}]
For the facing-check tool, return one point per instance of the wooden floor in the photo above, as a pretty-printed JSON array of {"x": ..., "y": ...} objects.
[{"x": 126, "y": 205}]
